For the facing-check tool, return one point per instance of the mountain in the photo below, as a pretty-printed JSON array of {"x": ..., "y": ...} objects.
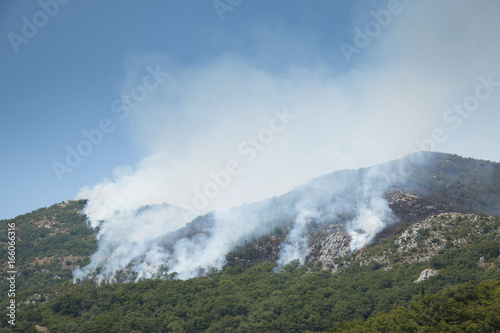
[{"x": 439, "y": 232}]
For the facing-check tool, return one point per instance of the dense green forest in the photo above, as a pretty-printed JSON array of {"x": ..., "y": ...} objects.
[{"x": 468, "y": 307}]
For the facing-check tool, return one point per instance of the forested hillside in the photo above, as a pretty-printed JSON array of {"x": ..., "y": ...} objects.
[
  {"x": 50, "y": 243},
  {"x": 437, "y": 267}
]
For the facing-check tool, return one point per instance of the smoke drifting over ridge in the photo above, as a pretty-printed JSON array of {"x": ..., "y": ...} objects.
[
  {"x": 139, "y": 243},
  {"x": 193, "y": 125}
]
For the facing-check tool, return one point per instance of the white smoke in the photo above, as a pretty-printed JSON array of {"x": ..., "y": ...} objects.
[
  {"x": 368, "y": 224},
  {"x": 230, "y": 228},
  {"x": 131, "y": 237},
  {"x": 192, "y": 125},
  {"x": 373, "y": 212},
  {"x": 296, "y": 245}
]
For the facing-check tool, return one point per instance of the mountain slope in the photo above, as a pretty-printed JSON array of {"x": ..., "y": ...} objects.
[{"x": 436, "y": 224}]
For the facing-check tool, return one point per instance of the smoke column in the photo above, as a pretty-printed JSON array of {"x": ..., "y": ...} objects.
[
  {"x": 296, "y": 244},
  {"x": 373, "y": 213}
]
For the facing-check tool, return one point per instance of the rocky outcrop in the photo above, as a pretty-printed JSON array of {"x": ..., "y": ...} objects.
[
  {"x": 329, "y": 249},
  {"x": 426, "y": 273},
  {"x": 412, "y": 208}
]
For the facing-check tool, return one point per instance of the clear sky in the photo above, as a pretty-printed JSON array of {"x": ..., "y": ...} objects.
[{"x": 361, "y": 81}]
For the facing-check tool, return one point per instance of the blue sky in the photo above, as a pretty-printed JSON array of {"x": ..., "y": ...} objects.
[{"x": 224, "y": 78}]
